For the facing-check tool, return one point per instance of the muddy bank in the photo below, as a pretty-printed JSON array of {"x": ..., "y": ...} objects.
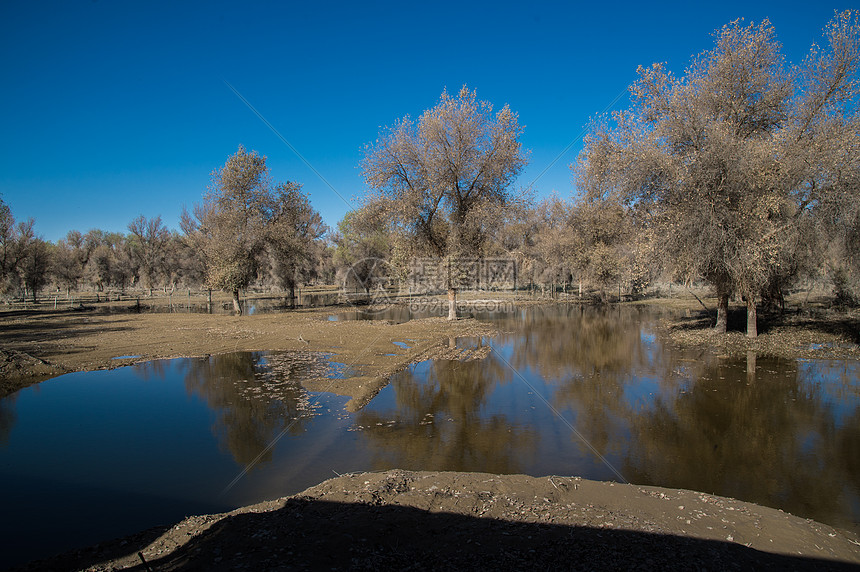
[
  {"x": 35, "y": 345},
  {"x": 38, "y": 344},
  {"x": 423, "y": 520}
]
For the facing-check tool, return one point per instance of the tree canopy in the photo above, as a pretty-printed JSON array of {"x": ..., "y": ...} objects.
[
  {"x": 742, "y": 171},
  {"x": 730, "y": 160},
  {"x": 441, "y": 179},
  {"x": 243, "y": 217}
]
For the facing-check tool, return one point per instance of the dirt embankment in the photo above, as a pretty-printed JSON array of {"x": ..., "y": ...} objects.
[{"x": 451, "y": 521}]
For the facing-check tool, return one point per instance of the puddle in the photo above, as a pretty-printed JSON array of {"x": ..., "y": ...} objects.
[{"x": 338, "y": 370}]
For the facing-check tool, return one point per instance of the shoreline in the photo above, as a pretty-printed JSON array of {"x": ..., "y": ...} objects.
[
  {"x": 451, "y": 520},
  {"x": 38, "y": 344}
]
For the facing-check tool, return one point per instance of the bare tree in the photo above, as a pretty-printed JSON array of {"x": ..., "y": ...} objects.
[
  {"x": 600, "y": 230},
  {"x": 25, "y": 259},
  {"x": 148, "y": 247},
  {"x": 35, "y": 263},
  {"x": 440, "y": 178},
  {"x": 67, "y": 268},
  {"x": 243, "y": 219},
  {"x": 228, "y": 225},
  {"x": 727, "y": 160},
  {"x": 292, "y": 236},
  {"x": 99, "y": 259},
  {"x": 182, "y": 263},
  {"x": 109, "y": 262},
  {"x": 362, "y": 247},
  {"x": 8, "y": 246}
]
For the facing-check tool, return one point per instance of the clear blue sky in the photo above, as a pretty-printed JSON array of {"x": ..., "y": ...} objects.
[{"x": 112, "y": 109}]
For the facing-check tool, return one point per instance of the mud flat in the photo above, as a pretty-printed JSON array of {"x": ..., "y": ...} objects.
[{"x": 37, "y": 345}]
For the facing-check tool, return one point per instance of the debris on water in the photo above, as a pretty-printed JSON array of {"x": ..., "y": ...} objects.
[{"x": 282, "y": 373}]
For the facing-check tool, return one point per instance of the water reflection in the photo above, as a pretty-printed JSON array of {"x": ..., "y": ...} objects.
[
  {"x": 780, "y": 433},
  {"x": 563, "y": 341},
  {"x": 95, "y": 455},
  {"x": 404, "y": 312},
  {"x": 774, "y": 438},
  {"x": 436, "y": 420},
  {"x": 7, "y": 417},
  {"x": 254, "y": 398}
]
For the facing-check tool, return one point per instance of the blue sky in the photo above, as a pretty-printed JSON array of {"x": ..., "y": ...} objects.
[{"x": 114, "y": 109}]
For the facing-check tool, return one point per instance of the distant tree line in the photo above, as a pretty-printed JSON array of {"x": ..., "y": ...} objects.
[
  {"x": 247, "y": 232},
  {"x": 743, "y": 173}
]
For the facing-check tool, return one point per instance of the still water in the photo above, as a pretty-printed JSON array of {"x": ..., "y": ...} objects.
[{"x": 570, "y": 391}]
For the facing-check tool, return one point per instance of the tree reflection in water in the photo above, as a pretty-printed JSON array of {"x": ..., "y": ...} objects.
[
  {"x": 783, "y": 433},
  {"x": 776, "y": 437},
  {"x": 777, "y": 432},
  {"x": 438, "y": 422},
  {"x": 254, "y": 398},
  {"x": 780, "y": 433},
  {"x": 590, "y": 357},
  {"x": 7, "y": 417}
]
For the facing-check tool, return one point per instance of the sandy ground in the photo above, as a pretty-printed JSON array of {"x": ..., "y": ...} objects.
[{"x": 451, "y": 521}]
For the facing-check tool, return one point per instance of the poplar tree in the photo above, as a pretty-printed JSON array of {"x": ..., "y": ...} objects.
[
  {"x": 442, "y": 179},
  {"x": 729, "y": 162}
]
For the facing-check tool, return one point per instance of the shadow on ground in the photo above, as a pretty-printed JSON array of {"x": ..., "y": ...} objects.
[
  {"x": 834, "y": 322},
  {"x": 50, "y": 326},
  {"x": 310, "y": 534}
]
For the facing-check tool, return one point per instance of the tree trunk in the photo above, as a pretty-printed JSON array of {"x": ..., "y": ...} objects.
[
  {"x": 293, "y": 296},
  {"x": 452, "y": 303},
  {"x": 236, "y": 305},
  {"x": 752, "y": 326},
  {"x": 722, "y": 313}
]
